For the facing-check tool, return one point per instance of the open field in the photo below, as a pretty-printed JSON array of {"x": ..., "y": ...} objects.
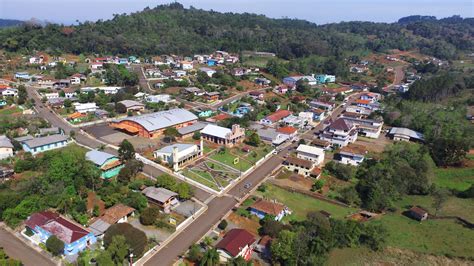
[
  {"x": 454, "y": 178},
  {"x": 389, "y": 256},
  {"x": 439, "y": 237},
  {"x": 10, "y": 110},
  {"x": 301, "y": 204}
]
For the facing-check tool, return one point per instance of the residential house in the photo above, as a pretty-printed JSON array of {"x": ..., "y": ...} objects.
[
  {"x": 49, "y": 131},
  {"x": 6, "y": 147},
  {"x": 405, "y": 134},
  {"x": 166, "y": 98},
  {"x": 212, "y": 96},
  {"x": 194, "y": 90},
  {"x": 325, "y": 145},
  {"x": 116, "y": 214},
  {"x": 335, "y": 91},
  {"x": 291, "y": 81},
  {"x": 318, "y": 114},
  {"x": 209, "y": 71},
  {"x": 222, "y": 135},
  {"x": 371, "y": 96},
  {"x": 270, "y": 135},
  {"x": 179, "y": 73},
  {"x": 236, "y": 243},
  {"x": 109, "y": 164},
  {"x": 106, "y": 90},
  {"x": 262, "y": 81},
  {"x": 327, "y": 106},
  {"x": 76, "y": 117},
  {"x": 323, "y": 79},
  {"x": 352, "y": 154},
  {"x": 358, "y": 109},
  {"x": 275, "y": 117},
  {"x": 9, "y": 92},
  {"x": 178, "y": 154},
  {"x": 282, "y": 89},
  {"x": 262, "y": 208},
  {"x": 22, "y": 75},
  {"x": 84, "y": 108},
  {"x": 131, "y": 105},
  {"x": 186, "y": 65},
  {"x": 164, "y": 198},
  {"x": 46, "y": 224},
  {"x": 302, "y": 167},
  {"x": 310, "y": 153},
  {"x": 288, "y": 131},
  {"x": 340, "y": 133},
  {"x": 42, "y": 144},
  {"x": 257, "y": 95},
  {"x": 51, "y": 95},
  {"x": 76, "y": 79},
  {"x": 366, "y": 127}
]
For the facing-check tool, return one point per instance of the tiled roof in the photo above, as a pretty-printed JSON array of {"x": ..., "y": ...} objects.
[
  {"x": 341, "y": 124},
  {"x": 354, "y": 149},
  {"x": 268, "y": 207},
  {"x": 287, "y": 130},
  {"x": 115, "y": 213},
  {"x": 299, "y": 162},
  {"x": 278, "y": 115},
  {"x": 235, "y": 240}
]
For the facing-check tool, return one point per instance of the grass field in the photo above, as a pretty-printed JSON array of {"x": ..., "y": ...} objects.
[
  {"x": 439, "y": 237},
  {"x": 204, "y": 179},
  {"x": 9, "y": 111},
  {"x": 228, "y": 159},
  {"x": 301, "y": 204},
  {"x": 454, "y": 178}
]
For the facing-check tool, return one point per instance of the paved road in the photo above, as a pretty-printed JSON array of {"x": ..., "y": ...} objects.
[
  {"x": 47, "y": 114},
  {"x": 218, "y": 207},
  {"x": 16, "y": 249}
]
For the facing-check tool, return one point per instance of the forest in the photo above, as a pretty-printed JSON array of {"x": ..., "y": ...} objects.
[{"x": 174, "y": 29}]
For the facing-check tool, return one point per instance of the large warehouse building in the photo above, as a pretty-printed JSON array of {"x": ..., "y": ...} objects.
[{"x": 153, "y": 125}]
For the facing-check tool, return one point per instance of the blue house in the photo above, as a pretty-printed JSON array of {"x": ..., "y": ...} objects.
[
  {"x": 211, "y": 62},
  {"x": 42, "y": 144},
  {"x": 109, "y": 164},
  {"x": 323, "y": 78},
  {"x": 46, "y": 224}
]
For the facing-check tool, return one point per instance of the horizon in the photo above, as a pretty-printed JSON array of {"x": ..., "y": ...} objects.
[{"x": 341, "y": 10}]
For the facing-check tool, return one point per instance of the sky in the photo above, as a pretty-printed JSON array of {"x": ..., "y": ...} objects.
[{"x": 318, "y": 11}]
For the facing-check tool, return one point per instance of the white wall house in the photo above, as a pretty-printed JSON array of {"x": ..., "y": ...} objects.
[
  {"x": 6, "y": 147},
  {"x": 178, "y": 154},
  {"x": 85, "y": 107},
  {"x": 310, "y": 153}
]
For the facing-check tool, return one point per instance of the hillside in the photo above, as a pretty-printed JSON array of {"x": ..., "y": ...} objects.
[
  {"x": 9, "y": 22},
  {"x": 174, "y": 29}
]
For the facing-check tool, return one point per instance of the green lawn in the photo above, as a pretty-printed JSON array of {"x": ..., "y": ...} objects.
[
  {"x": 228, "y": 159},
  {"x": 10, "y": 111},
  {"x": 454, "y": 178},
  {"x": 301, "y": 204},
  {"x": 440, "y": 237},
  {"x": 204, "y": 179}
]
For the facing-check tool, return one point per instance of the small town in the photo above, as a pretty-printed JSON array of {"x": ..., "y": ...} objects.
[{"x": 225, "y": 143}]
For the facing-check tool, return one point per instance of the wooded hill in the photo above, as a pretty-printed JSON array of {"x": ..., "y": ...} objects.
[{"x": 174, "y": 29}]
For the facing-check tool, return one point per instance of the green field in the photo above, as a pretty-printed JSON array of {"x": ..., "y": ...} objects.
[
  {"x": 202, "y": 177},
  {"x": 10, "y": 111},
  {"x": 228, "y": 159},
  {"x": 301, "y": 204},
  {"x": 454, "y": 178},
  {"x": 439, "y": 237}
]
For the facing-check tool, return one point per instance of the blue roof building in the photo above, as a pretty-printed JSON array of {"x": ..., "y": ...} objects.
[{"x": 109, "y": 164}]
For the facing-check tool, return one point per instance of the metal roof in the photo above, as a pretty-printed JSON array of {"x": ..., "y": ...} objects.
[
  {"x": 192, "y": 128},
  {"x": 5, "y": 142},
  {"x": 310, "y": 150},
  {"x": 38, "y": 142},
  {"x": 216, "y": 131},
  {"x": 180, "y": 146},
  {"x": 98, "y": 157},
  {"x": 406, "y": 132},
  {"x": 163, "y": 119},
  {"x": 159, "y": 194}
]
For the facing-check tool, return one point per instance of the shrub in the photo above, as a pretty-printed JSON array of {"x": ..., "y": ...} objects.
[
  {"x": 55, "y": 245},
  {"x": 222, "y": 225},
  {"x": 149, "y": 215}
]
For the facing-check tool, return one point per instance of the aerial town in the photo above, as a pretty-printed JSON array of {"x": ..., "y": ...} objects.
[{"x": 236, "y": 156}]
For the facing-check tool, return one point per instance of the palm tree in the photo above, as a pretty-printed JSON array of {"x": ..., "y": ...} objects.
[{"x": 210, "y": 258}]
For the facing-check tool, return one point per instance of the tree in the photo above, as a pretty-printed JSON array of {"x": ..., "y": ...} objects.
[
  {"x": 55, "y": 245},
  {"x": 136, "y": 239},
  {"x": 22, "y": 95},
  {"x": 166, "y": 181},
  {"x": 283, "y": 247},
  {"x": 440, "y": 195},
  {"x": 271, "y": 227},
  {"x": 124, "y": 175},
  {"x": 349, "y": 195},
  {"x": 194, "y": 253},
  {"x": 222, "y": 225},
  {"x": 239, "y": 261},
  {"x": 210, "y": 258},
  {"x": 374, "y": 236},
  {"x": 126, "y": 150},
  {"x": 149, "y": 215},
  {"x": 197, "y": 135},
  {"x": 184, "y": 190},
  {"x": 254, "y": 139},
  {"x": 118, "y": 249},
  {"x": 171, "y": 132},
  {"x": 67, "y": 103},
  {"x": 120, "y": 108},
  {"x": 318, "y": 184}
]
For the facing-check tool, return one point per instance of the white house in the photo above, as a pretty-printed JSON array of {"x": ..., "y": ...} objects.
[
  {"x": 85, "y": 107},
  {"x": 340, "y": 133},
  {"x": 6, "y": 147},
  {"x": 352, "y": 155},
  {"x": 310, "y": 153},
  {"x": 106, "y": 90},
  {"x": 178, "y": 154},
  {"x": 9, "y": 92},
  {"x": 186, "y": 65},
  {"x": 166, "y": 98},
  {"x": 51, "y": 95},
  {"x": 210, "y": 72},
  {"x": 302, "y": 167},
  {"x": 236, "y": 243}
]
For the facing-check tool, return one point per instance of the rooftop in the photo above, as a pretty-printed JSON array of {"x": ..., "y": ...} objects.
[
  {"x": 235, "y": 240},
  {"x": 299, "y": 162},
  {"x": 5, "y": 142},
  {"x": 131, "y": 103},
  {"x": 217, "y": 131},
  {"x": 180, "y": 146},
  {"x": 310, "y": 150},
  {"x": 159, "y": 194},
  {"x": 113, "y": 214},
  {"x": 41, "y": 141},
  {"x": 278, "y": 115},
  {"x": 286, "y": 130},
  {"x": 163, "y": 119},
  {"x": 98, "y": 157},
  {"x": 268, "y": 207}
]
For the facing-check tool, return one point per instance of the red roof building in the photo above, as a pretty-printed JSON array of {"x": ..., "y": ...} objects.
[
  {"x": 287, "y": 130},
  {"x": 237, "y": 242},
  {"x": 275, "y": 117}
]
